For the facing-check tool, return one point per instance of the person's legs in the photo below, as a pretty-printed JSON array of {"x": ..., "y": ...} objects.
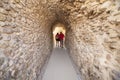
[
  {"x": 61, "y": 43},
  {"x": 56, "y": 43}
]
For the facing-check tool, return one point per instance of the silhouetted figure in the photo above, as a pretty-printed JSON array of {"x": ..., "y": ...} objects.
[
  {"x": 61, "y": 36},
  {"x": 57, "y": 39}
]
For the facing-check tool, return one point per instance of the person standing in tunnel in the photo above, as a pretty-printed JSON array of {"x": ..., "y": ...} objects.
[
  {"x": 61, "y": 36},
  {"x": 57, "y": 39}
]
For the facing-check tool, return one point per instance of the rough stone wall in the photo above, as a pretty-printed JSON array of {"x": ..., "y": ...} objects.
[
  {"x": 94, "y": 39},
  {"x": 24, "y": 40},
  {"x": 93, "y": 36}
]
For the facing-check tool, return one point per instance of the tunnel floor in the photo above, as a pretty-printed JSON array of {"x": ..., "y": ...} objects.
[{"x": 60, "y": 67}]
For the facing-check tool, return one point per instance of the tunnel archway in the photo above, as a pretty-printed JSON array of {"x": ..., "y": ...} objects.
[
  {"x": 57, "y": 28},
  {"x": 92, "y": 37}
]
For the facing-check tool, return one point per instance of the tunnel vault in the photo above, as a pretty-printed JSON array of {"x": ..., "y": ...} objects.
[{"x": 92, "y": 37}]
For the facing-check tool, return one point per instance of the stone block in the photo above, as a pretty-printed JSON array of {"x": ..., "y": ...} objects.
[
  {"x": 2, "y": 17},
  {"x": 2, "y": 23},
  {"x": 7, "y": 30},
  {"x": 17, "y": 1},
  {"x": 114, "y": 46},
  {"x": 1, "y": 37},
  {"x": 108, "y": 57},
  {"x": 1, "y": 4},
  {"x": 8, "y": 52},
  {"x": 7, "y": 7},
  {"x": 7, "y": 38},
  {"x": 14, "y": 73},
  {"x": 5, "y": 1},
  {"x": 1, "y": 60},
  {"x": 4, "y": 45},
  {"x": 112, "y": 33},
  {"x": 3, "y": 11}
]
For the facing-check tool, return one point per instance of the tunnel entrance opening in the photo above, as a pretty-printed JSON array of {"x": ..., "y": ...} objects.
[{"x": 57, "y": 28}]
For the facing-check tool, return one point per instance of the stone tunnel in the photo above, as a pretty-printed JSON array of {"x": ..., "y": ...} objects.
[{"x": 92, "y": 37}]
